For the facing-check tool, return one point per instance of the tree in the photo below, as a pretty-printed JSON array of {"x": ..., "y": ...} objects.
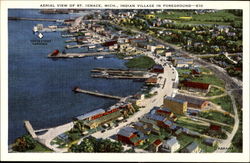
[
  {"x": 24, "y": 143},
  {"x": 85, "y": 146}
]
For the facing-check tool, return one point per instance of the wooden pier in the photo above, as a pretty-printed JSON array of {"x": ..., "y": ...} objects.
[
  {"x": 118, "y": 76},
  {"x": 32, "y": 19},
  {"x": 78, "y": 90},
  {"x": 30, "y": 129},
  {"x": 79, "y": 55},
  {"x": 109, "y": 70}
]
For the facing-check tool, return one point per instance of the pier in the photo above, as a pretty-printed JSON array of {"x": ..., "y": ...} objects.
[
  {"x": 33, "y": 19},
  {"x": 110, "y": 70},
  {"x": 30, "y": 129},
  {"x": 118, "y": 76},
  {"x": 78, "y": 90},
  {"x": 78, "y": 55}
]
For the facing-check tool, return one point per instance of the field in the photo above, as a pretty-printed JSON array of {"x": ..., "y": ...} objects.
[
  {"x": 142, "y": 62},
  {"x": 225, "y": 102},
  {"x": 217, "y": 116},
  {"x": 221, "y": 17},
  {"x": 214, "y": 92}
]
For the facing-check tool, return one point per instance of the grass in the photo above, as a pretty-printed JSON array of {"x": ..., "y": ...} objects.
[
  {"x": 184, "y": 140},
  {"x": 192, "y": 125},
  {"x": 214, "y": 92},
  {"x": 225, "y": 102},
  {"x": 142, "y": 62},
  {"x": 217, "y": 116},
  {"x": 211, "y": 79},
  {"x": 207, "y": 18}
]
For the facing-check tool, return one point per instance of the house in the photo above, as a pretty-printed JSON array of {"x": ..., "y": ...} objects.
[
  {"x": 155, "y": 146},
  {"x": 171, "y": 145},
  {"x": 193, "y": 102},
  {"x": 142, "y": 127},
  {"x": 152, "y": 125},
  {"x": 196, "y": 71},
  {"x": 210, "y": 142},
  {"x": 181, "y": 62},
  {"x": 175, "y": 105},
  {"x": 215, "y": 127},
  {"x": 195, "y": 86},
  {"x": 192, "y": 148},
  {"x": 167, "y": 113},
  {"x": 151, "y": 81},
  {"x": 129, "y": 135},
  {"x": 157, "y": 68}
]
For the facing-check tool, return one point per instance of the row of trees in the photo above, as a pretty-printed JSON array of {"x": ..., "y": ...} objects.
[{"x": 92, "y": 144}]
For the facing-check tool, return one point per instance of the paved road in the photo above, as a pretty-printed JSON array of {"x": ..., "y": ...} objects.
[{"x": 156, "y": 100}]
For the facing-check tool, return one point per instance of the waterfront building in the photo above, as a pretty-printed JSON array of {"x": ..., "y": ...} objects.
[
  {"x": 158, "y": 68},
  {"x": 151, "y": 81},
  {"x": 175, "y": 105}
]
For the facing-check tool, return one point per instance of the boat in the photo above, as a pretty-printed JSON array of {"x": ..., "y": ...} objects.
[{"x": 99, "y": 57}]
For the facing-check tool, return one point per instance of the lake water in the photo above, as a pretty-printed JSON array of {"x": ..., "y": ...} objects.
[{"x": 40, "y": 89}]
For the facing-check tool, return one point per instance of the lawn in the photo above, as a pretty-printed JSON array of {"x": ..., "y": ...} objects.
[
  {"x": 192, "y": 125},
  {"x": 142, "y": 62},
  {"x": 211, "y": 79},
  {"x": 217, "y": 116},
  {"x": 225, "y": 102},
  {"x": 184, "y": 140},
  {"x": 214, "y": 92},
  {"x": 221, "y": 17}
]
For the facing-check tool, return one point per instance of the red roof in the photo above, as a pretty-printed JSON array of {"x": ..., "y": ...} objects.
[
  {"x": 195, "y": 85},
  {"x": 151, "y": 80},
  {"x": 157, "y": 142}
]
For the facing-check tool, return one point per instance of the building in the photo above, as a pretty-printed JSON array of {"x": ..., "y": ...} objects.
[
  {"x": 142, "y": 127},
  {"x": 175, "y": 105},
  {"x": 196, "y": 86},
  {"x": 181, "y": 62},
  {"x": 210, "y": 142},
  {"x": 157, "y": 68},
  {"x": 171, "y": 145},
  {"x": 155, "y": 146},
  {"x": 151, "y": 81},
  {"x": 193, "y": 102},
  {"x": 167, "y": 113},
  {"x": 192, "y": 148},
  {"x": 129, "y": 135},
  {"x": 90, "y": 114},
  {"x": 152, "y": 125}
]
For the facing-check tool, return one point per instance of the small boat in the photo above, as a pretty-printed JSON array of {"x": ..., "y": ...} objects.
[{"x": 99, "y": 57}]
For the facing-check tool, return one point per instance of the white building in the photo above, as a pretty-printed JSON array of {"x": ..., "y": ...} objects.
[{"x": 171, "y": 145}]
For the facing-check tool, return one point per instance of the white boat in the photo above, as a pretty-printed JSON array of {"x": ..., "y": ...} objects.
[{"x": 99, "y": 57}]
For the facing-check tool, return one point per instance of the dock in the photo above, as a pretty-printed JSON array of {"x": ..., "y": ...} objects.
[
  {"x": 30, "y": 129},
  {"x": 78, "y": 90},
  {"x": 110, "y": 70},
  {"x": 118, "y": 76},
  {"x": 33, "y": 19},
  {"x": 79, "y": 55}
]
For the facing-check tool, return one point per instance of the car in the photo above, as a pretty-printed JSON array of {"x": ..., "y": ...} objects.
[{"x": 103, "y": 131}]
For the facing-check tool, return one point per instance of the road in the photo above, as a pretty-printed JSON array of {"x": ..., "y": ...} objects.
[{"x": 156, "y": 100}]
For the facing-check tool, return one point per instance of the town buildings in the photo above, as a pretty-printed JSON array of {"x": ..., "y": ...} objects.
[{"x": 175, "y": 105}]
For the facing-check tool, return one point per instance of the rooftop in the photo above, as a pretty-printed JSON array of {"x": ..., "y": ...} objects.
[
  {"x": 190, "y": 99},
  {"x": 127, "y": 131},
  {"x": 90, "y": 114}
]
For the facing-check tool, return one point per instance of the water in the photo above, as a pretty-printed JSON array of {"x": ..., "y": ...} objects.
[{"x": 40, "y": 88}]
